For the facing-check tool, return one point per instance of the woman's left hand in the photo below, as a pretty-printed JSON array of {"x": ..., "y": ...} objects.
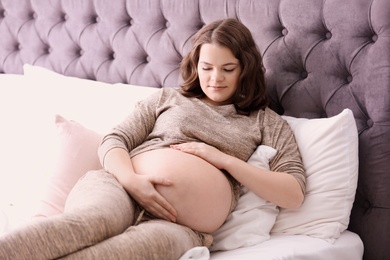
[{"x": 204, "y": 151}]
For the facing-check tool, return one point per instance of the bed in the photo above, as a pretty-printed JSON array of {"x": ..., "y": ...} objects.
[{"x": 70, "y": 70}]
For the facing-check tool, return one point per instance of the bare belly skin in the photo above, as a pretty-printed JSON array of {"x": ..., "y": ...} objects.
[{"x": 201, "y": 194}]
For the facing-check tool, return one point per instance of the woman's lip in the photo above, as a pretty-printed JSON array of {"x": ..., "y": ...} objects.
[{"x": 217, "y": 87}]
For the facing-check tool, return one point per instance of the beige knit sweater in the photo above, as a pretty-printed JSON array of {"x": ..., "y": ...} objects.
[{"x": 167, "y": 117}]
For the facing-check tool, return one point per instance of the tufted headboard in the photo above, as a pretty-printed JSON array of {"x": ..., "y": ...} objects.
[{"x": 320, "y": 57}]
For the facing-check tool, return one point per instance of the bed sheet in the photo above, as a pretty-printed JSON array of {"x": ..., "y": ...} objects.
[{"x": 347, "y": 247}]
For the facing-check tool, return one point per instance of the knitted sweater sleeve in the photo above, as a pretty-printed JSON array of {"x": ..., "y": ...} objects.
[
  {"x": 134, "y": 129},
  {"x": 279, "y": 135}
]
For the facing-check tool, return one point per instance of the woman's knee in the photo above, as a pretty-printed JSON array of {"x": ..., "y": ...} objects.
[
  {"x": 100, "y": 197},
  {"x": 162, "y": 238},
  {"x": 163, "y": 233}
]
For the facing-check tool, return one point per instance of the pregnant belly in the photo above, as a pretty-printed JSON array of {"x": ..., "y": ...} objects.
[{"x": 200, "y": 193}]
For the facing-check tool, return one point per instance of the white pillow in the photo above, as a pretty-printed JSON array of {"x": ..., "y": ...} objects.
[
  {"x": 22, "y": 117},
  {"x": 251, "y": 221},
  {"x": 329, "y": 149},
  {"x": 96, "y": 105}
]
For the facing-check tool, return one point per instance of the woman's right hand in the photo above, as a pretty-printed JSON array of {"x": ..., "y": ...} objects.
[{"x": 142, "y": 189}]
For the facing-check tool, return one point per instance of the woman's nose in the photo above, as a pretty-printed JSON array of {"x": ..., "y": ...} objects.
[{"x": 217, "y": 76}]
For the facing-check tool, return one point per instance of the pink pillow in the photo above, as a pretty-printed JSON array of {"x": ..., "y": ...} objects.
[{"x": 77, "y": 154}]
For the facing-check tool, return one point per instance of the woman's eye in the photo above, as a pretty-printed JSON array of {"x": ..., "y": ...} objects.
[
  {"x": 229, "y": 70},
  {"x": 226, "y": 70}
]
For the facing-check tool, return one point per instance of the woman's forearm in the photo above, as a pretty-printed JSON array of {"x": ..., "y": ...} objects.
[
  {"x": 117, "y": 162},
  {"x": 277, "y": 187}
]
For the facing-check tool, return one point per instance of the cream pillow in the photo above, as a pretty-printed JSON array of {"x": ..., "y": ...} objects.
[{"x": 329, "y": 149}]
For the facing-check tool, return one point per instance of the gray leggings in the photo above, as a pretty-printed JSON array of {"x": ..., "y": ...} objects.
[{"x": 98, "y": 223}]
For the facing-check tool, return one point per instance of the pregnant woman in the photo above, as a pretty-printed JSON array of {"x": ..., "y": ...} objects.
[{"x": 172, "y": 169}]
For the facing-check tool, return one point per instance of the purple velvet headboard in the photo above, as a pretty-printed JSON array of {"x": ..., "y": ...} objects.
[{"x": 320, "y": 57}]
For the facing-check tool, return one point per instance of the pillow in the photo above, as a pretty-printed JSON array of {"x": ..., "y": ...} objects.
[
  {"x": 24, "y": 131},
  {"x": 93, "y": 105},
  {"x": 96, "y": 105},
  {"x": 76, "y": 155},
  {"x": 252, "y": 219},
  {"x": 329, "y": 149}
]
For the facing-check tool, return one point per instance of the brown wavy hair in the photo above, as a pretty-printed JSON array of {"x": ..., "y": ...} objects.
[{"x": 231, "y": 33}]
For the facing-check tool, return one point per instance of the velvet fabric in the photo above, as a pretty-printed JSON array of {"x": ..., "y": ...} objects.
[{"x": 319, "y": 58}]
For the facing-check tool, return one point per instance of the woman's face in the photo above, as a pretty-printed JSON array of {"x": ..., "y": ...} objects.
[{"x": 219, "y": 72}]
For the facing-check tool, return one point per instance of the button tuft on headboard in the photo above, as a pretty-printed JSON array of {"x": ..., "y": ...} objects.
[
  {"x": 370, "y": 123},
  {"x": 112, "y": 55},
  {"x": 95, "y": 19},
  {"x": 349, "y": 79},
  {"x": 64, "y": 17}
]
